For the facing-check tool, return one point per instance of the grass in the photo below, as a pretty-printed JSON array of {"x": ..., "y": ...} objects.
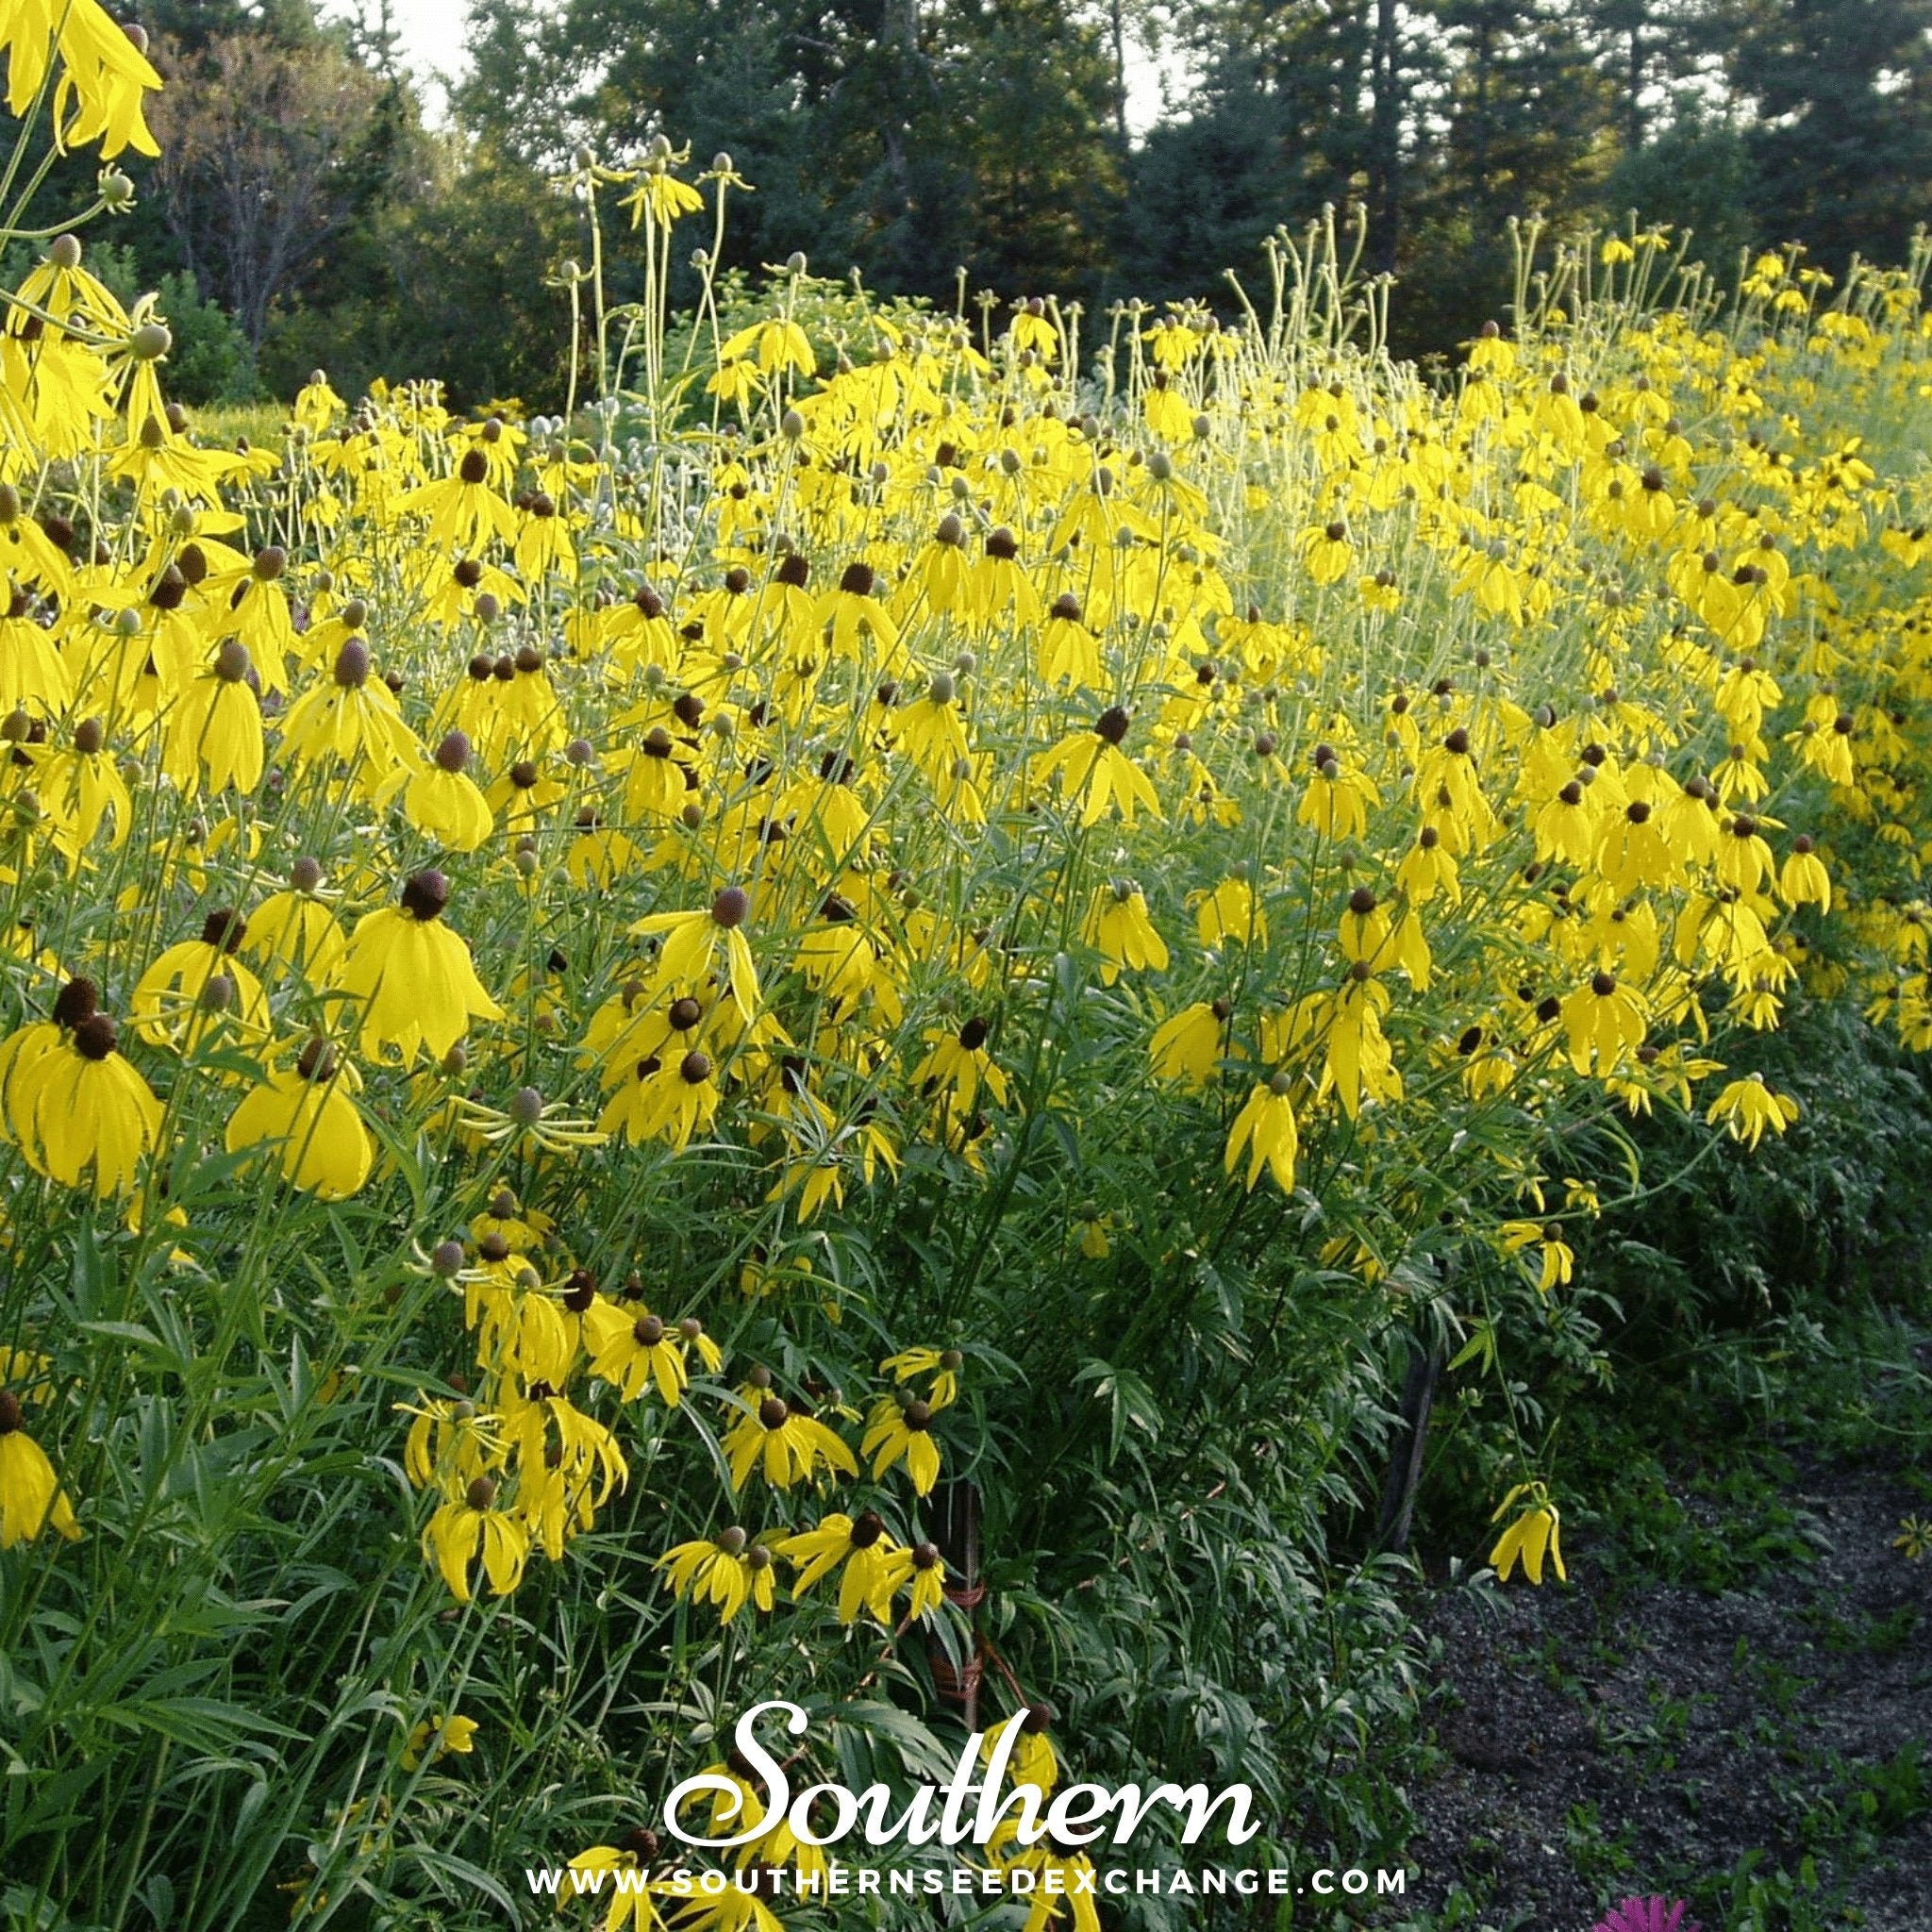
[{"x": 263, "y": 425}]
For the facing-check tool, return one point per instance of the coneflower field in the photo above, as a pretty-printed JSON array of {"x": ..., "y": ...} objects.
[{"x": 864, "y": 1023}]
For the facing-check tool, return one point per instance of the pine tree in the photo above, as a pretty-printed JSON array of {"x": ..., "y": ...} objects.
[
  {"x": 1843, "y": 144},
  {"x": 1278, "y": 126}
]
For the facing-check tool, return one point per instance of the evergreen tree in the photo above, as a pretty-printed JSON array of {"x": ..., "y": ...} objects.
[
  {"x": 1530, "y": 131},
  {"x": 1279, "y": 125},
  {"x": 1529, "y": 117},
  {"x": 192, "y": 23},
  {"x": 1030, "y": 102},
  {"x": 1694, "y": 175},
  {"x": 1843, "y": 143},
  {"x": 904, "y": 139},
  {"x": 915, "y": 138}
]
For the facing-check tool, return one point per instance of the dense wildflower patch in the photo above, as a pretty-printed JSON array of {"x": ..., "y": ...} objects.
[{"x": 695, "y": 981}]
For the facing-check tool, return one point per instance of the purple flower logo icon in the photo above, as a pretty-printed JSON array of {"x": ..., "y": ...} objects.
[{"x": 1647, "y": 1915}]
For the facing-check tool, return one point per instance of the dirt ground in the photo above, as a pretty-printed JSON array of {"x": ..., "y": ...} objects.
[{"x": 1765, "y": 1750}]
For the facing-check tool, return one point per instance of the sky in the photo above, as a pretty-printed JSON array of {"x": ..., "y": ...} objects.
[
  {"x": 430, "y": 33},
  {"x": 431, "y": 37}
]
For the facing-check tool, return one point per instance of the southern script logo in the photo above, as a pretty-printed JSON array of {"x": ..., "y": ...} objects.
[{"x": 824, "y": 1814}]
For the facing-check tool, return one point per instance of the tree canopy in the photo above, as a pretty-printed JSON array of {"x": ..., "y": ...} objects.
[{"x": 1011, "y": 143}]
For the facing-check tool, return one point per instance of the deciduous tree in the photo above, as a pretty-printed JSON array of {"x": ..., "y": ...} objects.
[{"x": 264, "y": 162}]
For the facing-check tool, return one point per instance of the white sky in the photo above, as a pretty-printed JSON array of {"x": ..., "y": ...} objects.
[{"x": 431, "y": 34}]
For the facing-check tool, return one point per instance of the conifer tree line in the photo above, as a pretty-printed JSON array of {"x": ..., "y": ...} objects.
[{"x": 310, "y": 214}]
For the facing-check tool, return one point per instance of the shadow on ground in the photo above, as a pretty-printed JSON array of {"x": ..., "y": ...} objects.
[{"x": 1761, "y": 1744}]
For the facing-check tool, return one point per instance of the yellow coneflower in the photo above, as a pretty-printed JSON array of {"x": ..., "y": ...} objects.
[
  {"x": 79, "y": 1109},
  {"x": 32, "y": 1498},
  {"x": 306, "y": 1114},
  {"x": 871, "y": 1568},
  {"x": 412, "y": 975},
  {"x": 780, "y": 1441}
]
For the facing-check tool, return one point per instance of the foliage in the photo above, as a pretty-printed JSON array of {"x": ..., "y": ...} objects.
[
  {"x": 269, "y": 153},
  {"x": 485, "y": 241},
  {"x": 1697, "y": 176},
  {"x": 1843, "y": 144},
  {"x": 906, "y": 139},
  {"x": 919, "y": 140},
  {"x": 210, "y": 360}
]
